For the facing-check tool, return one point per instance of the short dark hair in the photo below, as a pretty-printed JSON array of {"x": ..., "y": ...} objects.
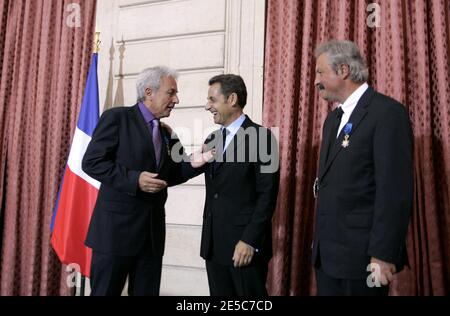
[{"x": 231, "y": 84}]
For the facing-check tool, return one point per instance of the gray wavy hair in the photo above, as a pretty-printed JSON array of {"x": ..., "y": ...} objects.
[
  {"x": 151, "y": 78},
  {"x": 347, "y": 53}
]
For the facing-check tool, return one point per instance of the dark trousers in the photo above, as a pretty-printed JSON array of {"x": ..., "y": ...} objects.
[
  {"x": 231, "y": 281},
  {"x": 329, "y": 286},
  {"x": 109, "y": 273}
]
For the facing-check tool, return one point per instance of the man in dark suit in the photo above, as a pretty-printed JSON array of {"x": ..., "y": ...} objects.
[
  {"x": 365, "y": 184},
  {"x": 241, "y": 192},
  {"x": 130, "y": 155}
]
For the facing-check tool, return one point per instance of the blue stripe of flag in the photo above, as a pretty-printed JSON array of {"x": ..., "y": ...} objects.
[{"x": 89, "y": 111}]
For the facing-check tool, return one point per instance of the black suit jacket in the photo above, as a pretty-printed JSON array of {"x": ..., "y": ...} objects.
[
  {"x": 125, "y": 217},
  {"x": 365, "y": 190},
  {"x": 240, "y": 199}
]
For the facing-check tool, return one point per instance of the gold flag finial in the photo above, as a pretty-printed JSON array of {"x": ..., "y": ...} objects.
[{"x": 97, "y": 42}]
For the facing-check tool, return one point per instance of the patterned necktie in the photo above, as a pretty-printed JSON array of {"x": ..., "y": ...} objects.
[{"x": 157, "y": 141}]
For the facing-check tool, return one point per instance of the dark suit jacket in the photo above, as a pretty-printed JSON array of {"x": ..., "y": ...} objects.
[
  {"x": 240, "y": 199},
  {"x": 125, "y": 217},
  {"x": 365, "y": 190}
]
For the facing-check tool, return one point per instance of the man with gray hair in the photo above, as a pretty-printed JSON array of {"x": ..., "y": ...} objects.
[
  {"x": 130, "y": 155},
  {"x": 364, "y": 187}
]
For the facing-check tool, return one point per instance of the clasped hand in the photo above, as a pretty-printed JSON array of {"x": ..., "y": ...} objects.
[{"x": 149, "y": 183}]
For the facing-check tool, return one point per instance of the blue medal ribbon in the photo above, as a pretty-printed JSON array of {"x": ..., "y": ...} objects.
[{"x": 348, "y": 128}]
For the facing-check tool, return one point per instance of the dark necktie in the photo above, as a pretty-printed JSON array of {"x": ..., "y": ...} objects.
[
  {"x": 225, "y": 132},
  {"x": 333, "y": 133},
  {"x": 157, "y": 141}
]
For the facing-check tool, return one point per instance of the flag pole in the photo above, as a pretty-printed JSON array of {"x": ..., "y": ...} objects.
[
  {"x": 83, "y": 285},
  {"x": 97, "y": 42},
  {"x": 95, "y": 50}
]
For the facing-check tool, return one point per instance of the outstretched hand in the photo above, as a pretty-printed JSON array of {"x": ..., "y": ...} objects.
[{"x": 201, "y": 156}]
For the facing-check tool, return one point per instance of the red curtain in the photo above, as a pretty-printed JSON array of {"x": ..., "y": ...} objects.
[
  {"x": 409, "y": 59},
  {"x": 45, "y": 50}
]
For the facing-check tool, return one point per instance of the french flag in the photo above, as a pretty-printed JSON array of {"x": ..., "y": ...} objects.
[{"x": 78, "y": 192}]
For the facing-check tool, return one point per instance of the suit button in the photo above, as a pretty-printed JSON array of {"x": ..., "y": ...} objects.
[
  {"x": 210, "y": 176},
  {"x": 216, "y": 196}
]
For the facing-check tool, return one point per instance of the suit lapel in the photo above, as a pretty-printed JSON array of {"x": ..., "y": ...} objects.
[
  {"x": 211, "y": 141},
  {"x": 237, "y": 142},
  {"x": 356, "y": 118},
  {"x": 143, "y": 127},
  {"x": 326, "y": 140},
  {"x": 164, "y": 146}
]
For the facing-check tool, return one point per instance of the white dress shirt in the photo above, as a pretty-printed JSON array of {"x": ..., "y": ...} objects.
[
  {"x": 349, "y": 105},
  {"x": 232, "y": 129}
]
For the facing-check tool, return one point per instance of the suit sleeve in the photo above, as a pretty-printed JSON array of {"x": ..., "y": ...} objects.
[
  {"x": 181, "y": 169},
  {"x": 184, "y": 170},
  {"x": 189, "y": 172},
  {"x": 266, "y": 185},
  {"x": 393, "y": 164},
  {"x": 99, "y": 160}
]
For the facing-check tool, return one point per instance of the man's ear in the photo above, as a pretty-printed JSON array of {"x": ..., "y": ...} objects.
[
  {"x": 148, "y": 92},
  {"x": 344, "y": 71},
  {"x": 232, "y": 99}
]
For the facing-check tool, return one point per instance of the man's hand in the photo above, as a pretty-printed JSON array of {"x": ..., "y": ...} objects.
[
  {"x": 243, "y": 254},
  {"x": 387, "y": 270},
  {"x": 201, "y": 156},
  {"x": 149, "y": 183}
]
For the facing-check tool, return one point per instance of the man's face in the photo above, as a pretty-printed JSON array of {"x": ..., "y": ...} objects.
[
  {"x": 329, "y": 83},
  {"x": 221, "y": 108},
  {"x": 163, "y": 100}
]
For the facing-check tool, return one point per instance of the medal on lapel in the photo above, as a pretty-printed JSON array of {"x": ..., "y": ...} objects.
[{"x": 347, "y": 131}]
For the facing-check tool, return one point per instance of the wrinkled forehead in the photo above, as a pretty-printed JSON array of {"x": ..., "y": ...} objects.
[{"x": 168, "y": 82}]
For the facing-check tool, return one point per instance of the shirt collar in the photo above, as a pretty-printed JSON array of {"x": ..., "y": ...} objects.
[
  {"x": 349, "y": 105},
  {"x": 237, "y": 123},
  {"x": 148, "y": 116}
]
